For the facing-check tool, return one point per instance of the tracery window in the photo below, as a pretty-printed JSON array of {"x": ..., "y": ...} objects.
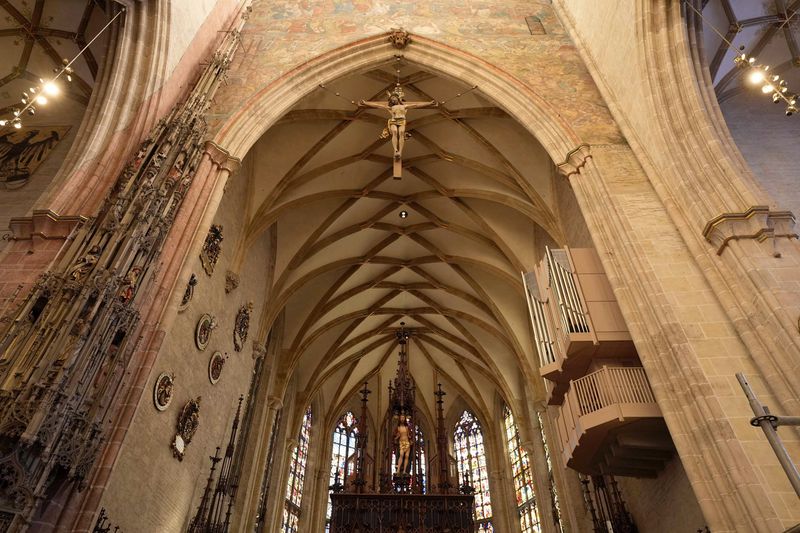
[
  {"x": 345, "y": 439},
  {"x": 297, "y": 473},
  {"x": 523, "y": 476},
  {"x": 551, "y": 477},
  {"x": 471, "y": 459}
]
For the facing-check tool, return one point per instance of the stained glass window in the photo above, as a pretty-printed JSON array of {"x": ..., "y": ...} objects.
[
  {"x": 297, "y": 473},
  {"x": 553, "y": 492},
  {"x": 345, "y": 438},
  {"x": 523, "y": 476},
  {"x": 471, "y": 460}
]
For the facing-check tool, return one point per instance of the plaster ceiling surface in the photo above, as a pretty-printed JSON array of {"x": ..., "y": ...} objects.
[
  {"x": 36, "y": 35},
  {"x": 476, "y": 186},
  {"x": 769, "y": 30}
]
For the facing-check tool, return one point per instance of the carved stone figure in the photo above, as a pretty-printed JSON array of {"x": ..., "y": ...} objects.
[
  {"x": 397, "y": 108},
  {"x": 242, "y": 326},
  {"x": 188, "y": 422},
  {"x": 128, "y": 288},
  {"x": 212, "y": 247},
  {"x": 85, "y": 264},
  {"x": 399, "y": 38}
]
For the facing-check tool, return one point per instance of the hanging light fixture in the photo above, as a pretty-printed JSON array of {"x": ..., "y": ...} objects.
[
  {"x": 34, "y": 95},
  {"x": 771, "y": 84}
]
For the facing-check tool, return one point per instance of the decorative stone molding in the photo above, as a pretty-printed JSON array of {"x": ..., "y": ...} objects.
[
  {"x": 758, "y": 223},
  {"x": 222, "y": 158},
  {"x": 43, "y": 224},
  {"x": 231, "y": 281},
  {"x": 575, "y": 160}
]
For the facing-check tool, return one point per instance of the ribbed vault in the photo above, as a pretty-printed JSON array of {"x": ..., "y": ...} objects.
[{"x": 479, "y": 192}]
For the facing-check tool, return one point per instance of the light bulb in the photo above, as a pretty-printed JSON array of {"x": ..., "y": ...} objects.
[
  {"x": 51, "y": 88},
  {"x": 756, "y": 77},
  {"x": 3, "y": 122},
  {"x": 41, "y": 100},
  {"x": 766, "y": 89},
  {"x": 403, "y": 214},
  {"x": 18, "y": 125}
]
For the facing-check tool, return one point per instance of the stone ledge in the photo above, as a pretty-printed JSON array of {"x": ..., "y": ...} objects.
[
  {"x": 758, "y": 223},
  {"x": 43, "y": 224},
  {"x": 575, "y": 160}
]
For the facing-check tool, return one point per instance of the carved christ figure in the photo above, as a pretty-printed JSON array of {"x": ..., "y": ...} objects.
[
  {"x": 397, "y": 108},
  {"x": 403, "y": 439}
]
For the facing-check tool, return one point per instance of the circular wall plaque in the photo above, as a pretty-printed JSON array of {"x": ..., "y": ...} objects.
[
  {"x": 162, "y": 390},
  {"x": 215, "y": 365},
  {"x": 202, "y": 334}
]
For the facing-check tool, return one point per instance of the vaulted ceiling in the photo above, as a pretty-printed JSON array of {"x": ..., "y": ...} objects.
[
  {"x": 768, "y": 29},
  {"x": 481, "y": 198},
  {"x": 36, "y": 35}
]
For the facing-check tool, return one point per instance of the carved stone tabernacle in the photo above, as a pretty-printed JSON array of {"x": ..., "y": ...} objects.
[{"x": 69, "y": 346}]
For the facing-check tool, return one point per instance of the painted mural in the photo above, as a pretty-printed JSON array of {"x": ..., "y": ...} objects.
[{"x": 23, "y": 150}]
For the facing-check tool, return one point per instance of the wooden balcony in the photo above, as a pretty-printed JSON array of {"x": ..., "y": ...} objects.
[
  {"x": 610, "y": 423},
  {"x": 575, "y": 317}
]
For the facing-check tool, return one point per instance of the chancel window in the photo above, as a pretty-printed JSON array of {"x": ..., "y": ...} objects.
[
  {"x": 297, "y": 472},
  {"x": 471, "y": 460},
  {"x": 523, "y": 476},
  {"x": 345, "y": 440},
  {"x": 551, "y": 477}
]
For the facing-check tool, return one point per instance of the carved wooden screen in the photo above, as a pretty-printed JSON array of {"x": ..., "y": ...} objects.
[
  {"x": 523, "y": 476},
  {"x": 471, "y": 459},
  {"x": 297, "y": 472}
]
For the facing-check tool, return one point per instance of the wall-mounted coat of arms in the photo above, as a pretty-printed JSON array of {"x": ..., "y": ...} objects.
[
  {"x": 242, "y": 326},
  {"x": 188, "y": 422},
  {"x": 212, "y": 247}
]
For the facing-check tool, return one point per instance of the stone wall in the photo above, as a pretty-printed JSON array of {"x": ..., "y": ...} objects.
[
  {"x": 768, "y": 141},
  {"x": 149, "y": 489},
  {"x": 666, "y": 503}
]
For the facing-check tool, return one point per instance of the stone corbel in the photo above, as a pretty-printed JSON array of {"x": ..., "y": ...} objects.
[
  {"x": 575, "y": 160},
  {"x": 274, "y": 402},
  {"x": 222, "y": 158},
  {"x": 757, "y": 223},
  {"x": 259, "y": 350}
]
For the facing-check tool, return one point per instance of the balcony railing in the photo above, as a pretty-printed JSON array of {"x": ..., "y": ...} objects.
[
  {"x": 611, "y": 398},
  {"x": 609, "y": 386}
]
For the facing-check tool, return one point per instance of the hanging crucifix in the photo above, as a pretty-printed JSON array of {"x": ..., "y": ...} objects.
[{"x": 397, "y": 108}]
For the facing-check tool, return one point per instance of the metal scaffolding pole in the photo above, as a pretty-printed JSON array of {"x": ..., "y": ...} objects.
[{"x": 769, "y": 424}]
